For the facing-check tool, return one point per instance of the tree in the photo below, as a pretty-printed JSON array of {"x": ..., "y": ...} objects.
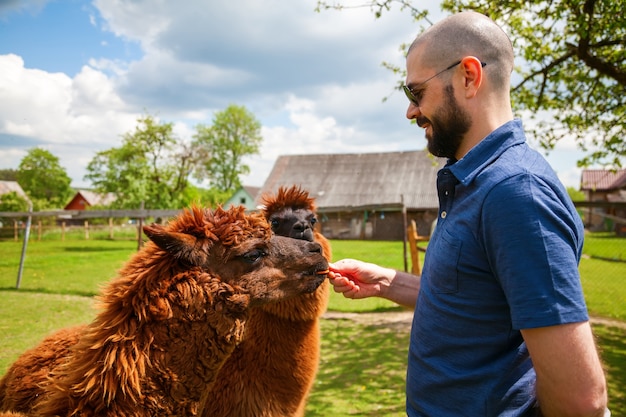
[
  {"x": 574, "y": 68},
  {"x": 8, "y": 174},
  {"x": 151, "y": 167},
  {"x": 235, "y": 133},
  {"x": 44, "y": 180}
]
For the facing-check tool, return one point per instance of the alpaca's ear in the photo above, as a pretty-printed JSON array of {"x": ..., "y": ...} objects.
[{"x": 182, "y": 246}]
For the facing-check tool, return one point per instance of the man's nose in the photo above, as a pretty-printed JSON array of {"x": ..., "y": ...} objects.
[{"x": 413, "y": 111}]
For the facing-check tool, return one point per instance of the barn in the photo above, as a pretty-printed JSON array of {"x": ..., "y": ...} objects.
[
  {"x": 84, "y": 199},
  {"x": 364, "y": 195}
]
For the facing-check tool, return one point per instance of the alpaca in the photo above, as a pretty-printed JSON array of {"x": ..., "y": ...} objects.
[
  {"x": 23, "y": 384},
  {"x": 272, "y": 370},
  {"x": 171, "y": 318}
]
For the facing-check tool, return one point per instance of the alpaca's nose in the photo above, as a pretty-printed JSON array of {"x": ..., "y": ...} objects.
[
  {"x": 314, "y": 247},
  {"x": 301, "y": 226}
]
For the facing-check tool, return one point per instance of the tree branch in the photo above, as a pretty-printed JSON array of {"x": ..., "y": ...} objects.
[{"x": 545, "y": 69}]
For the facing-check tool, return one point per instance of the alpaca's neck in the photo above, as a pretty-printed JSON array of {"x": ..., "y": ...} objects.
[
  {"x": 292, "y": 365},
  {"x": 161, "y": 339}
]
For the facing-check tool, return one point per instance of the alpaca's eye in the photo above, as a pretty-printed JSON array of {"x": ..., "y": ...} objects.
[
  {"x": 313, "y": 221},
  {"x": 253, "y": 255},
  {"x": 275, "y": 223}
]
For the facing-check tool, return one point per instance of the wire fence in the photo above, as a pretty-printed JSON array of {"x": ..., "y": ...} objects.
[{"x": 602, "y": 268}]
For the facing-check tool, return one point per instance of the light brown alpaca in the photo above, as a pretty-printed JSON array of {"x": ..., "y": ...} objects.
[
  {"x": 272, "y": 370},
  {"x": 172, "y": 317}
]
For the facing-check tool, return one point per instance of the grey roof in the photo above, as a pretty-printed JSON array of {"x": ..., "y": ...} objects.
[
  {"x": 340, "y": 181},
  {"x": 252, "y": 190}
]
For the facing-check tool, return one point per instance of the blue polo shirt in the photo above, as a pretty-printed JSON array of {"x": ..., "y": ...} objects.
[{"x": 503, "y": 257}]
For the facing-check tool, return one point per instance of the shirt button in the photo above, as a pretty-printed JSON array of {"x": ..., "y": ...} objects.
[{"x": 443, "y": 214}]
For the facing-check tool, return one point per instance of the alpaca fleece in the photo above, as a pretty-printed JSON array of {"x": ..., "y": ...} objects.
[
  {"x": 272, "y": 370},
  {"x": 168, "y": 322}
]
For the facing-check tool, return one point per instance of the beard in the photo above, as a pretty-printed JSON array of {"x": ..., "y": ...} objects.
[{"x": 448, "y": 125}]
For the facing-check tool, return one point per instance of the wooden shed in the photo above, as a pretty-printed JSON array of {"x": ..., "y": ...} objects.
[
  {"x": 604, "y": 187},
  {"x": 363, "y": 196}
]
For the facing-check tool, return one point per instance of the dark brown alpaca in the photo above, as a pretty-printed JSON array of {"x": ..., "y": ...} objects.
[
  {"x": 171, "y": 318},
  {"x": 272, "y": 370}
]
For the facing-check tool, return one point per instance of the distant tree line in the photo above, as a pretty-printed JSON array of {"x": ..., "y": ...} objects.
[{"x": 152, "y": 166}]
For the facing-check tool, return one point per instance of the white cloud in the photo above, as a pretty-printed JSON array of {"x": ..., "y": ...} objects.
[{"x": 314, "y": 80}]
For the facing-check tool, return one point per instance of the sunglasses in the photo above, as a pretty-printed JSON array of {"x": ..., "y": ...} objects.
[{"x": 415, "y": 97}]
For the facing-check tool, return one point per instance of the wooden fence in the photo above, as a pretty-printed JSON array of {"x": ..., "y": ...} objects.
[{"x": 65, "y": 218}]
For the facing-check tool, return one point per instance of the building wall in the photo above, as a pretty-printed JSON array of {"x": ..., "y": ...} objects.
[
  {"x": 77, "y": 203},
  {"x": 594, "y": 219},
  {"x": 385, "y": 225},
  {"x": 241, "y": 198}
]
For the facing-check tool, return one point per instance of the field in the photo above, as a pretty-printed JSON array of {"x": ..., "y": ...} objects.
[{"x": 363, "y": 360}]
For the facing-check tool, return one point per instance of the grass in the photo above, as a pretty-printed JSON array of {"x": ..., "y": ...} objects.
[
  {"x": 612, "y": 343},
  {"x": 362, "y": 371},
  {"x": 27, "y": 316},
  {"x": 363, "y": 366}
]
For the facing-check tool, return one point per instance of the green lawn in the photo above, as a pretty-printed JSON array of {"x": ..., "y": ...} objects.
[{"x": 363, "y": 366}]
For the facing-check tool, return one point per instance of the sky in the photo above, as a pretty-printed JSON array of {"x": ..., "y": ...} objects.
[{"x": 75, "y": 75}]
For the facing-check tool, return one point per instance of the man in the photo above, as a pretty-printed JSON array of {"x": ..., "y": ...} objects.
[{"x": 500, "y": 325}]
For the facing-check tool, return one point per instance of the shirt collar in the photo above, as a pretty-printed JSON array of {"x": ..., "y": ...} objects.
[{"x": 487, "y": 150}]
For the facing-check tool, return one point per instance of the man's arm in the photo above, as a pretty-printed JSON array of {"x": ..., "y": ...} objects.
[{"x": 570, "y": 378}]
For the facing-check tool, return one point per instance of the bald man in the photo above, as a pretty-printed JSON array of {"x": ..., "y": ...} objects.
[{"x": 500, "y": 325}]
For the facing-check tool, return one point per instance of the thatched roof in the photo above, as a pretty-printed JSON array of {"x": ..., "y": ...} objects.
[{"x": 366, "y": 180}]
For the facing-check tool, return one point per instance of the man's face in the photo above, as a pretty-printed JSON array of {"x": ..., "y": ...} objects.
[
  {"x": 437, "y": 111},
  {"x": 448, "y": 125}
]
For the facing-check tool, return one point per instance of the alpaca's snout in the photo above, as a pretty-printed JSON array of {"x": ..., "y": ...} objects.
[
  {"x": 314, "y": 247},
  {"x": 318, "y": 279}
]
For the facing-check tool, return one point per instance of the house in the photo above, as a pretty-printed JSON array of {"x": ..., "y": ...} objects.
[
  {"x": 5, "y": 188},
  {"x": 364, "y": 195},
  {"x": 603, "y": 187},
  {"x": 243, "y": 196},
  {"x": 83, "y": 199},
  {"x": 12, "y": 186}
]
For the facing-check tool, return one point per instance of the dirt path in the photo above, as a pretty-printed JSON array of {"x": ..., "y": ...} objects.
[
  {"x": 399, "y": 318},
  {"x": 402, "y": 319}
]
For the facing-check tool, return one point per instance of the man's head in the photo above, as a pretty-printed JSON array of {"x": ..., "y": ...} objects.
[{"x": 458, "y": 81}]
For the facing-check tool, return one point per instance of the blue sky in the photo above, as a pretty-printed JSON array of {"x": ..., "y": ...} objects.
[
  {"x": 76, "y": 75},
  {"x": 60, "y": 36}
]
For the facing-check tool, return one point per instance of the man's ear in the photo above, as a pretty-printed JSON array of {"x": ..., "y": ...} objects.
[{"x": 473, "y": 75}]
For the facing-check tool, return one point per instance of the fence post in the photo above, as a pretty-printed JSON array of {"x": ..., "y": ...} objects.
[
  {"x": 86, "y": 229},
  {"x": 24, "y": 246},
  {"x": 140, "y": 228},
  {"x": 15, "y": 230},
  {"x": 62, "y": 231},
  {"x": 39, "y": 231},
  {"x": 404, "y": 237},
  {"x": 111, "y": 228}
]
